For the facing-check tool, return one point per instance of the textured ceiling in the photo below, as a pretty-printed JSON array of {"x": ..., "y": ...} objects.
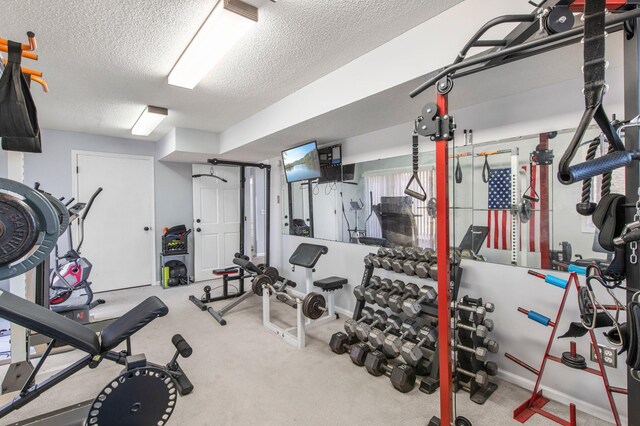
[{"x": 105, "y": 60}]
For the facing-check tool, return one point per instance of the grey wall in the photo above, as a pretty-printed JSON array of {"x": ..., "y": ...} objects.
[{"x": 52, "y": 169}]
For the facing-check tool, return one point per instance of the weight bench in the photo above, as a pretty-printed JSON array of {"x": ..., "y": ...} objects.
[
  {"x": 306, "y": 255},
  {"x": 64, "y": 331}
]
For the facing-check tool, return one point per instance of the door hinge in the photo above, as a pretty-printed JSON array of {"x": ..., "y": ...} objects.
[{"x": 77, "y": 169}]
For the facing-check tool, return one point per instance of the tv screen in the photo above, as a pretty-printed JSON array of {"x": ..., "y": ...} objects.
[{"x": 301, "y": 162}]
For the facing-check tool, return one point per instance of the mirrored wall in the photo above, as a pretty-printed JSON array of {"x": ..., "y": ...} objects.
[{"x": 506, "y": 204}]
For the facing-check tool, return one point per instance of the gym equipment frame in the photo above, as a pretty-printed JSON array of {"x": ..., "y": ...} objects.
[
  {"x": 241, "y": 294},
  {"x": 436, "y": 123},
  {"x": 306, "y": 256}
]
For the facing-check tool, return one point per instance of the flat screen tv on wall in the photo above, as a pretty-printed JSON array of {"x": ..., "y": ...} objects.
[{"x": 301, "y": 162}]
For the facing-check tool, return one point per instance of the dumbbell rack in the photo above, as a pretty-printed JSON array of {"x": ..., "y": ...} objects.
[
  {"x": 465, "y": 320},
  {"x": 430, "y": 383},
  {"x": 535, "y": 404}
]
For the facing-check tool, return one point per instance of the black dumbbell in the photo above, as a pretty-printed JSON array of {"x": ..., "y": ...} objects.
[
  {"x": 480, "y": 330},
  {"x": 491, "y": 368},
  {"x": 481, "y": 377},
  {"x": 403, "y": 376},
  {"x": 368, "y": 259},
  {"x": 412, "y": 352},
  {"x": 400, "y": 255},
  {"x": 383, "y": 294},
  {"x": 423, "y": 267},
  {"x": 363, "y": 328},
  {"x": 377, "y": 259},
  {"x": 341, "y": 343},
  {"x": 350, "y": 325},
  {"x": 491, "y": 345},
  {"x": 480, "y": 352},
  {"x": 412, "y": 307},
  {"x": 359, "y": 352},
  {"x": 376, "y": 335},
  {"x": 393, "y": 343},
  {"x": 379, "y": 284},
  {"x": 395, "y": 301},
  {"x": 359, "y": 290}
]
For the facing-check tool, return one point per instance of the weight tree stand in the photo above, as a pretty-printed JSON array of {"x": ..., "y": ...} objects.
[
  {"x": 436, "y": 123},
  {"x": 535, "y": 404},
  {"x": 237, "y": 274}
]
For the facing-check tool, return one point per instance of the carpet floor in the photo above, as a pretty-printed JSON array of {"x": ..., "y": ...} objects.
[{"x": 244, "y": 376}]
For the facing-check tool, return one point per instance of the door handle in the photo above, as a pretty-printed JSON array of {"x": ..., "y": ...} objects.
[
  {"x": 198, "y": 220},
  {"x": 198, "y": 229},
  {"x": 146, "y": 228},
  {"x": 286, "y": 224}
]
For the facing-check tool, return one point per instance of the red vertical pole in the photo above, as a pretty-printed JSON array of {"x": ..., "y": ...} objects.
[
  {"x": 444, "y": 294},
  {"x": 545, "y": 255}
]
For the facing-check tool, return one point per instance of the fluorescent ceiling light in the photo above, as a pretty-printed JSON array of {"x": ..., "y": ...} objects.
[
  {"x": 149, "y": 120},
  {"x": 229, "y": 21}
]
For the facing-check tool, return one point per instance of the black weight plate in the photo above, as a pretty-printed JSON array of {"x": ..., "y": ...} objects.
[
  {"x": 63, "y": 213},
  {"x": 18, "y": 229},
  {"x": 143, "y": 396},
  {"x": 559, "y": 20},
  {"x": 314, "y": 305},
  {"x": 258, "y": 282},
  {"x": 462, "y": 421},
  {"x": 272, "y": 273}
]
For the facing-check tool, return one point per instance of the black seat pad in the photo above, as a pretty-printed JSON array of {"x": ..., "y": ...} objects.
[
  {"x": 48, "y": 323},
  {"x": 307, "y": 255},
  {"x": 331, "y": 283},
  {"x": 122, "y": 328}
]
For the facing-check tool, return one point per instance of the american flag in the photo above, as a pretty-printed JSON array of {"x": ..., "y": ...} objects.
[
  {"x": 499, "y": 213},
  {"x": 499, "y": 204}
]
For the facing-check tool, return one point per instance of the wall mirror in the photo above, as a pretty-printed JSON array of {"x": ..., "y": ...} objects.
[
  {"x": 510, "y": 200},
  {"x": 506, "y": 204}
]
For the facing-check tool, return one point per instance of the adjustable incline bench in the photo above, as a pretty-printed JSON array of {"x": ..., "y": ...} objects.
[{"x": 145, "y": 393}]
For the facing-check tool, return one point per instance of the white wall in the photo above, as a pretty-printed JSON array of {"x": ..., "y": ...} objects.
[
  {"x": 522, "y": 114},
  {"x": 53, "y": 170}
]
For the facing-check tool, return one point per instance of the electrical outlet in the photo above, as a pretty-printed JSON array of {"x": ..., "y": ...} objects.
[{"x": 609, "y": 356}]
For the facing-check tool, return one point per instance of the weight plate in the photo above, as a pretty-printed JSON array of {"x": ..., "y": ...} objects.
[
  {"x": 272, "y": 273},
  {"x": 462, "y": 421},
  {"x": 431, "y": 207},
  {"x": 63, "y": 213},
  {"x": 525, "y": 210},
  {"x": 143, "y": 396},
  {"x": 47, "y": 230},
  {"x": 257, "y": 285},
  {"x": 18, "y": 229},
  {"x": 559, "y": 20},
  {"x": 314, "y": 305}
]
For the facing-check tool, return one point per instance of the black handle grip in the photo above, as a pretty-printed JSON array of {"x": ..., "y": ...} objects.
[
  {"x": 617, "y": 266},
  {"x": 241, "y": 256},
  {"x": 631, "y": 236},
  {"x": 414, "y": 194},
  {"x": 90, "y": 203},
  {"x": 184, "y": 349},
  {"x": 597, "y": 167}
]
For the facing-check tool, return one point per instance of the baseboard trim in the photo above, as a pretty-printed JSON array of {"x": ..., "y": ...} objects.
[{"x": 563, "y": 398}]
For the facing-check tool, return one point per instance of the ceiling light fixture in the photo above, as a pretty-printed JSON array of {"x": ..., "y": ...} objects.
[
  {"x": 229, "y": 21},
  {"x": 150, "y": 119}
]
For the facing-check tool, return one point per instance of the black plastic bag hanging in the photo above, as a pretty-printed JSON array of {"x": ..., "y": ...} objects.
[{"x": 19, "y": 128}]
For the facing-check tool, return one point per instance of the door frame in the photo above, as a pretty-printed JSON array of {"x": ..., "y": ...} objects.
[{"x": 74, "y": 188}]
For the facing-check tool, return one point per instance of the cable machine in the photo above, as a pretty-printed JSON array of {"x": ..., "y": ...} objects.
[{"x": 436, "y": 123}]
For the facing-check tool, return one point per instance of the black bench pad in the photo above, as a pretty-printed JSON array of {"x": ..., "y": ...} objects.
[
  {"x": 307, "y": 255},
  {"x": 48, "y": 323},
  {"x": 331, "y": 283},
  {"x": 122, "y": 328}
]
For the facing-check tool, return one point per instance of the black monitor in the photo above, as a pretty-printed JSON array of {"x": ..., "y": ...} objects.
[{"x": 301, "y": 162}]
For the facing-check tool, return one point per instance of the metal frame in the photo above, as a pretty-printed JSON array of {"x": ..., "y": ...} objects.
[
  {"x": 512, "y": 48},
  {"x": 296, "y": 335},
  {"x": 242, "y": 294}
]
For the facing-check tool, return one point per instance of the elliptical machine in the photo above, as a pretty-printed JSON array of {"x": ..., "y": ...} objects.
[{"x": 73, "y": 274}]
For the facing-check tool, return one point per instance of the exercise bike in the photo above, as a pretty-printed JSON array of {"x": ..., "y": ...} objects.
[{"x": 71, "y": 271}]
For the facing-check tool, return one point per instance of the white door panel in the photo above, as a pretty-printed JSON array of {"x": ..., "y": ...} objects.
[
  {"x": 216, "y": 210},
  {"x": 116, "y": 242}
]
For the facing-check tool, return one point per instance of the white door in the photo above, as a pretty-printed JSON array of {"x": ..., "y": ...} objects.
[
  {"x": 216, "y": 219},
  {"x": 118, "y": 231}
]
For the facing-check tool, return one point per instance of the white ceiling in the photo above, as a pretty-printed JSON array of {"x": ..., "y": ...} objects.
[{"x": 105, "y": 60}]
